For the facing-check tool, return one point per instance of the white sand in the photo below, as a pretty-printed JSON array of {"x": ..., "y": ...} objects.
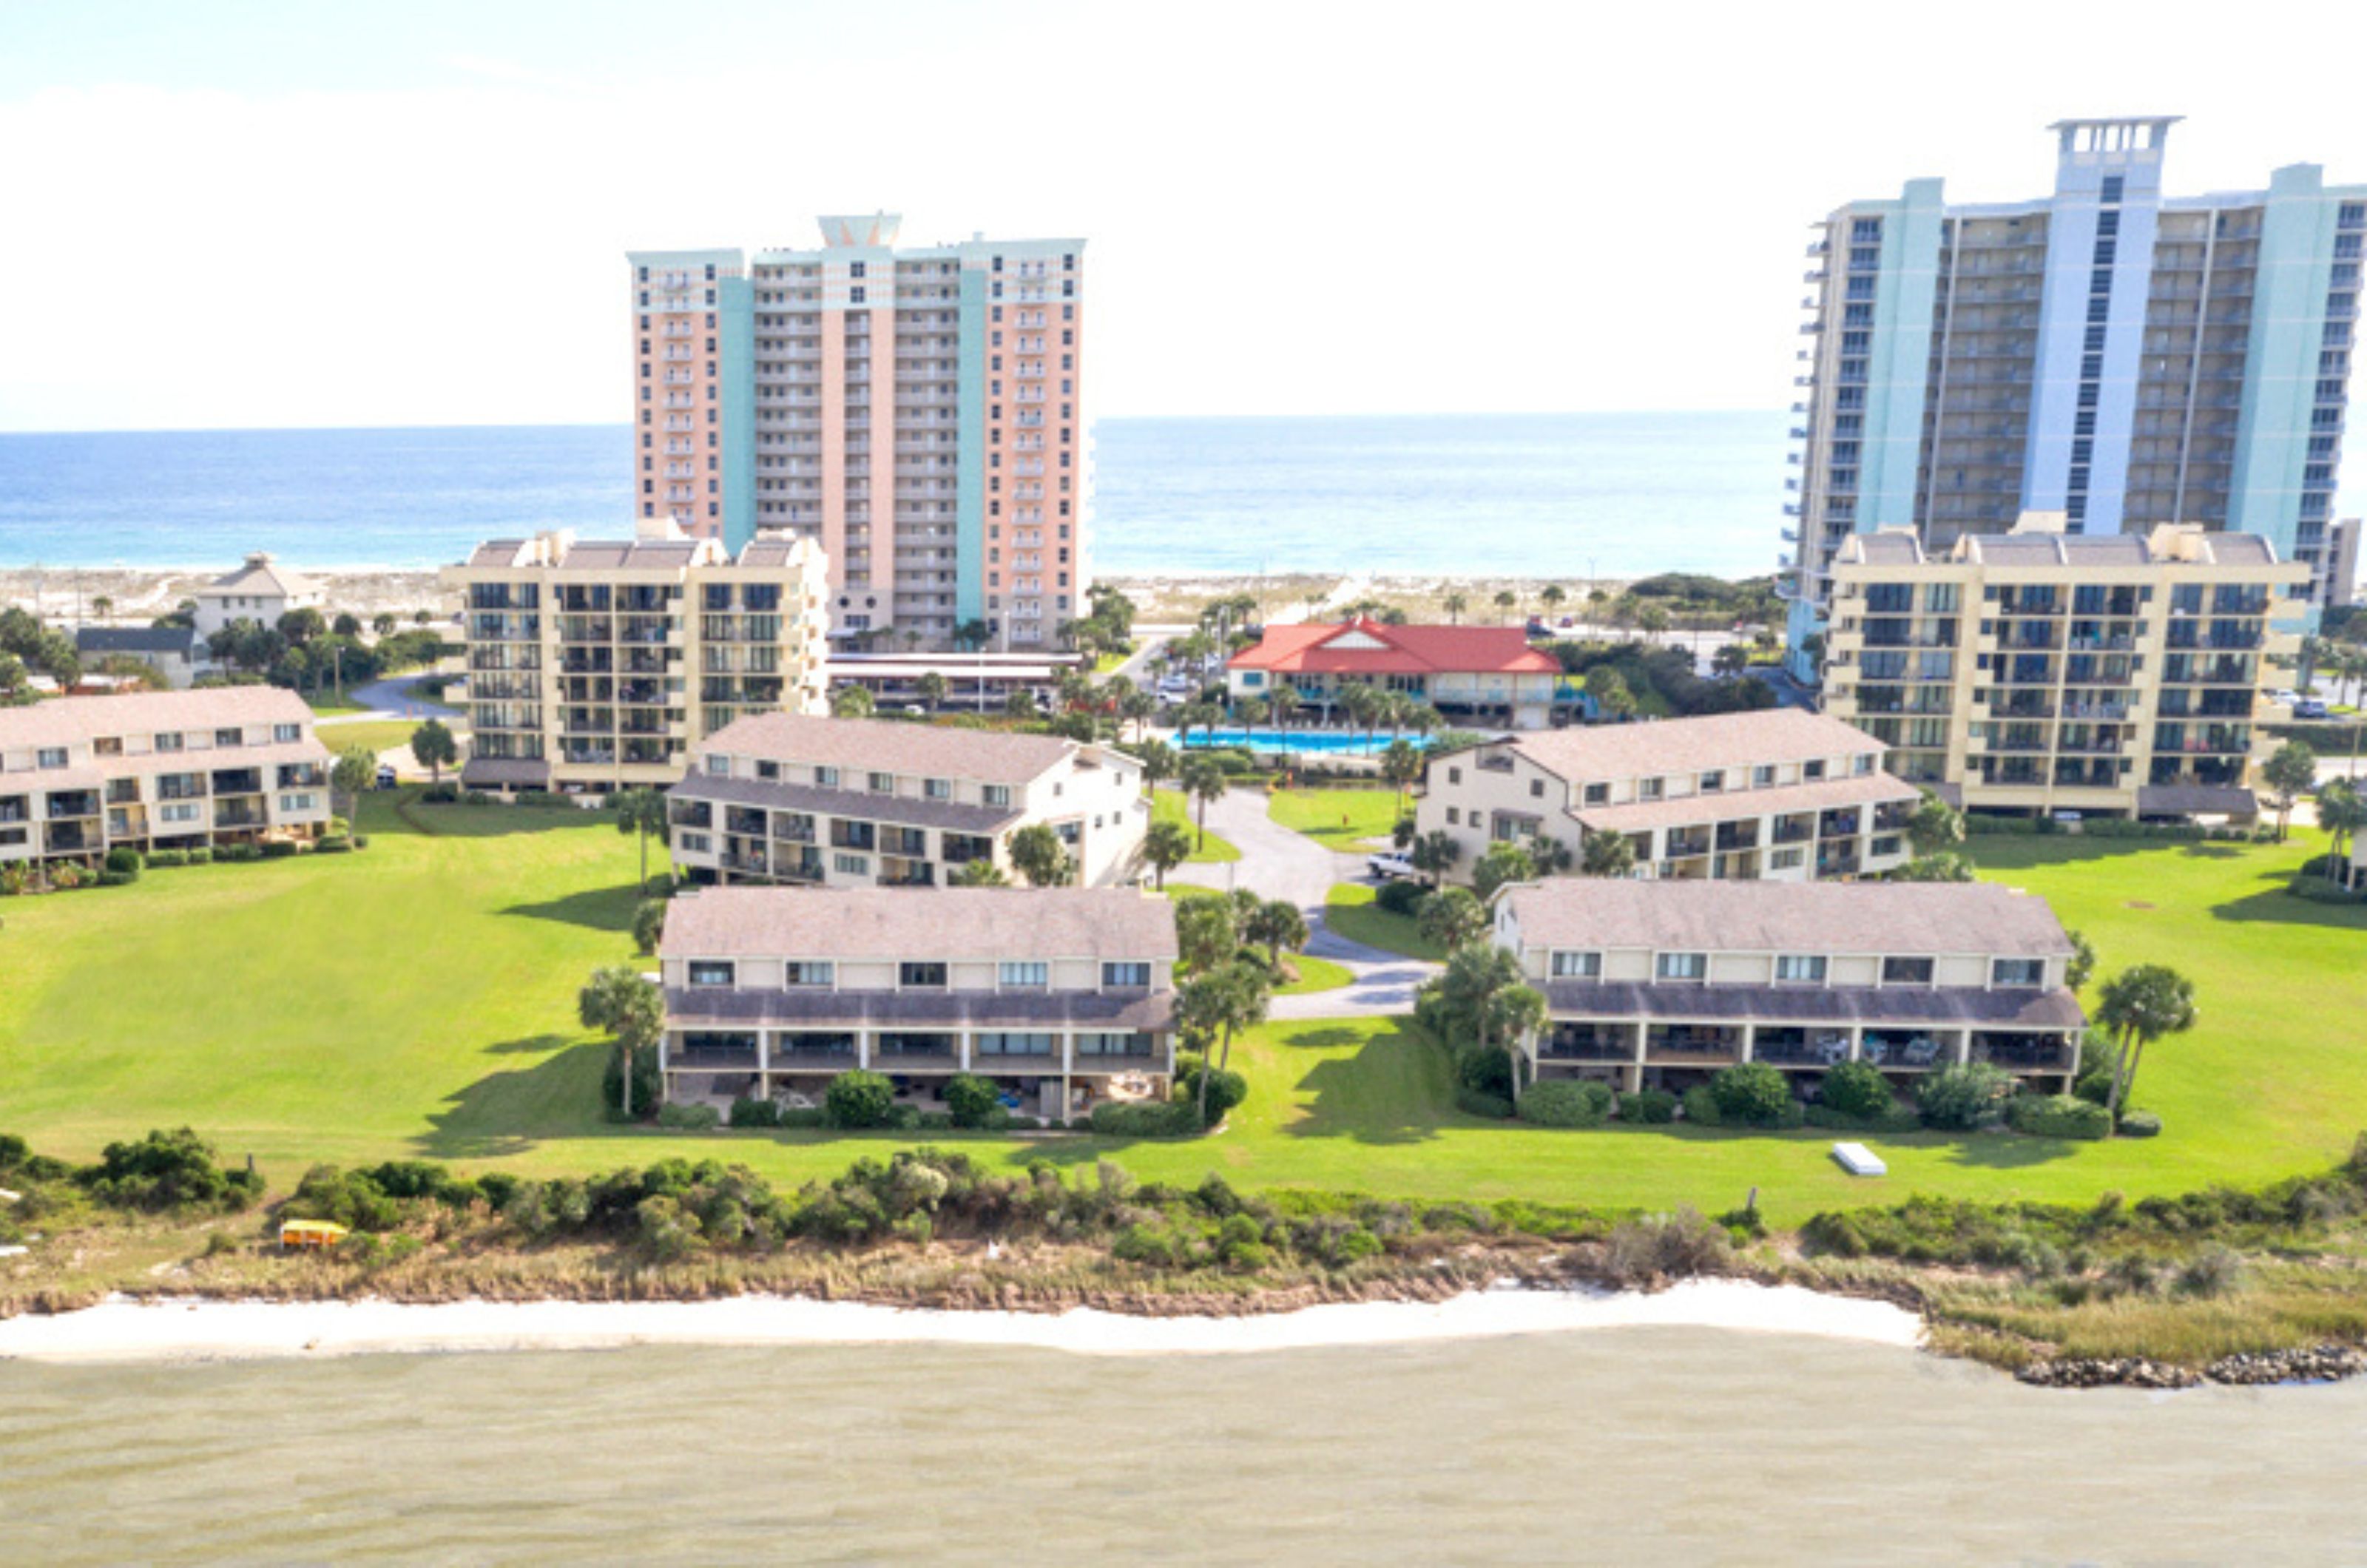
[{"x": 125, "y": 1330}]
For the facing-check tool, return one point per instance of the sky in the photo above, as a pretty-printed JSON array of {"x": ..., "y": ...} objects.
[{"x": 245, "y": 214}]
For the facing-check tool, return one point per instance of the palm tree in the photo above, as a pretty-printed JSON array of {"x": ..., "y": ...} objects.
[
  {"x": 1276, "y": 924},
  {"x": 1284, "y": 701},
  {"x": 1435, "y": 854},
  {"x": 640, "y": 812},
  {"x": 1553, "y": 595},
  {"x": 1401, "y": 764},
  {"x": 1157, "y": 760},
  {"x": 2342, "y": 812},
  {"x": 1455, "y": 604},
  {"x": 1548, "y": 856},
  {"x": 1512, "y": 1015},
  {"x": 2289, "y": 771},
  {"x": 1137, "y": 707},
  {"x": 632, "y": 1012},
  {"x": 1218, "y": 1004},
  {"x": 355, "y": 771},
  {"x": 2138, "y": 1007},
  {"x": 932, "y": 688},
  {"x": 1452, "y": 917},
  {"x": 853, "y": 702},
  {"x": 1204, "y": 783},
  {"x": 1606, "y": 854},
  {"x": 104, "y": 608},
  {"x": 1507, "y": 599},
  {"x": 1021, "y": 703},
  {"x": 1166, "y": 845},
  {"x": 1251, "y": 711}
]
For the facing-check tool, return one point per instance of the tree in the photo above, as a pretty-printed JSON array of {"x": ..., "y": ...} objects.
[
  {"x": 423, "y": 617},
  {"x": 1435, "y": 854},
  {"x": 648, "y": 925},
  {"x": 1215, "y": 1006},
  {"x": 1505, "y": 862},
  {"x": 1455, "y": 604},
  {"x": 1284, "y": 700},
  {"x": 2139, "y": 1006},
  {"x": 1606, "y": 854},
  {"x": 1505, "y": 601},
  {"x": 640, "y": 812},
  {"x": 1934, "y": 825},
  {"x": 1203, "y": 782},
  {"x": 1037, "y": 855},
  {"x": 1451, "y": 917},
  {"x": 1137, "y": 706},
  {"x": 980, "y": 873},
  {"x": 346, "y": 625},
  {"x": 1946, "y": 866},
  {"x": 1402, "y": 764},
  {"x": 932, "y": 688},
  {"x": 629, "y": 1009},
  {"x": 1548, "y": 856},
  {"x": 2342, "y": 812},
  {"x": 1166, "y": 845},
  {"x": 1608, "y": 689},
  {"x": 2080, "y": 967},
  {"x": 1205, "y": 933},
  {"x": 432, "y": 748},
  {"x": 1401, "y": 833},
  {"x": 301, "y": 625},
  {"x": 15, "y": 683},
  {"x": 104, "y": 608},
  {"x": 355, "y": 771},
  {"x": 1474, "y": 972},
  {"x": 1198, "y": 716},
  {"x": 1021, "y": 704},
  {"x": 1511, "y": 1015},
  {"x": 1732, "y": 659},
  {"x": 1157, "y": 760},
  {"x": 853, "y": 702},
  {"x": 1251, "y": 711},
  {"x": 132, "y": 675},
  {"x": 384, "y": 623},
  {"x": 1653, "y": 619},
  {"x": 1553, "y": 595},
  {"x": 2289, "y": 772},
  {"x": 1276, "y": 924}
]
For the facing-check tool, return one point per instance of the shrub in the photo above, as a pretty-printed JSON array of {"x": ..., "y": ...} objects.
[
  {"x": 646, "y": 1083},
  {"x": 859, "y": 1099},
  {"x": 1401, "y": 897},
  {"x": 1227, "y": 1088},
  {"x": 1899, "y": 1118},
  {"x": 168, "y": 1170},
  {"x": 1750, "y": 1095},
  {"x": 2140, "y": 1124},
  {"x": 361, "y": 840},
  {"x": 971, "y": 1099},
  {"x": 279, "y": 849},
  {"x": 117, "y": 879},
  {"x": 1156, "y": 1244},
  {"x": 157, "y": 858},
  {"x": 1962, "y": 1098},
  {"x": 235, "y": 852},
  {"x": 1566, "y": 1103},
  {"x": 201, "y": 857},
  {"x": 1479, "y": 1102},
  {"x": 2095, "y": 1083},
  {"x": 689, "y": 1118},
  {"x": 755, "y": 1112},
  {"x": 1650, "y": 1107},
  {"x": 1240, "y": 1244},
  {"x": 803, "y": 1116},
  {"x": 2057, "y": 1116},
  {"x": 124, "y": 862},
  {"x": 2212, "y": 1272},
  {"x": 439, "y": 795},
  {"x": 1652, "y": 1247},
  {"x": 1701, "y": 1106},
  {"x": 1146, "y": 1119},
  {"x": 335, "y": 844},
  {"x": 1856, "y": 1089},
  {"x": 1485, "y": 1071}
]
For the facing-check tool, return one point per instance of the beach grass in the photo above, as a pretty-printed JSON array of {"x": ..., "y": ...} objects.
[
  {"x": 1338, "y": 818},
  {"x": 1210, "y": 849},
  {"x": 1351, "y": 911},
  {"x": 417, "y": 1000}
]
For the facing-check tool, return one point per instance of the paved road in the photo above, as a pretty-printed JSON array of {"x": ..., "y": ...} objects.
[
  {"x": 1279, "y": 863},
  {"x": 394, "y": 699}
]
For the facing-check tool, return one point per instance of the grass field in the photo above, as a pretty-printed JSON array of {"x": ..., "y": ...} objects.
[
  {"x": 417, "y": 1000},
  {"x": 1315, "y": 974},
  {"x": 1351, "y": 912},
  {"x": 1340, "y": 818},
  {"x": 1169, "y": 805},
  {"x": 377, "y": 734}
]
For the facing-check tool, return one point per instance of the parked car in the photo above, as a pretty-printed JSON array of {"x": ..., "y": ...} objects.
[
  {"x": 386, "y": 776},
  {"x": 1390, "y": 867},
  {"x": 2309, "y": 708}
]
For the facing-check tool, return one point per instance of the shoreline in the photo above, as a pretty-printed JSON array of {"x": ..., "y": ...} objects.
[{"x": 122, "y": 1329}]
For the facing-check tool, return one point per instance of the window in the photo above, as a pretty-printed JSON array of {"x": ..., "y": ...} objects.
[
  {"x": 809, "y": 972},
  {"x": 717, "y": 767},
  {"x": 850, "y": 865},
  {"x": 1001, "y": 1044},
  {"x": 712, "y": 972},
  {"x": 1801, "y": 968},
  {"x": 1713, "y": 782},
  {"x": 284, "y": 733},
  {"x": 1682, "y": 965},
  {"x": 693, "y": 843},
  {"x": 1598, "y": 794},
  {"x": 1454, "y": 776},
  {"x": 1649, "y": 789},
  {"x": 230, "y": 737},
  {"x": 768, "y": 770},
  {"x": 1861, "y": 764},
  {"x": 942, "y": 789},
  {"x": 1025, "y": 976},
  {"x": 1813, "y": 769},
  {"x": 51, "y": 757},
  {"x": 1126, "y": 977},
  {"x": 296, "y": 804},
  {"x": 1577, "y": 967},
  {"x": 1762, "y": 775},
  {"x": 883, "y": 784},
  {"x": 2018, "y": 972},
  {"x": 997, "y": 795},
  {"x": 1906, "y": 971},
  {"x": 921, "y": 976},
  {"x": 1538, "y": 787},
  {"x": 168, "y": 741},
  {"x": 826, "y": 777},
  {"x": 1453, "y": 815}
]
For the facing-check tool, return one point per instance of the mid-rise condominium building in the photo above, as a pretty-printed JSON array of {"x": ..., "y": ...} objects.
[
  {"x": 1784, "y": 794},
  {"x": 2038, "y": 671},
  {"x": 920, "y": 412},
  {"x": 1479, "y": 674},
  {"x": 862, "y": 803},
  {"x": 159, "y": 770},
  {"x": 1661, "y": 984},
  {"x": 1063, "y": 996},
  {"x": 2121, "y": 357},
  {"x": 597, "y": 665}
]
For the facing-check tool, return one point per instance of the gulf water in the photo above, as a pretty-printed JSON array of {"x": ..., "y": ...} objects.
[
  {"x": 1547, "y": 495},
  {"x": 1639, "y": 1445}
]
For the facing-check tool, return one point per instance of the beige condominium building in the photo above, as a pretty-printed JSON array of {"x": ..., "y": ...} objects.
[
  {"x": 1064, "y": 997},
  {"x": 2039, "y": 671},
  {"x": 861, "y": 803},
  {"x": 159, "y": 770},
  {"x": 1661, "y": 984},
  {"x": 598, "y": 664},
  {"x": 1781, "y": 794}
]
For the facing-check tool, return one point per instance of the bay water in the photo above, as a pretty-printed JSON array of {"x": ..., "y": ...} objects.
[
  {"x": 1542, "y": 494},
  {"x": 1628, "y": 1445}
]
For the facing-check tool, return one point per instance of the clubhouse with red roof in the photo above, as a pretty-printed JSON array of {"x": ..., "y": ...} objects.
[{"x": 1475, "y": 674}]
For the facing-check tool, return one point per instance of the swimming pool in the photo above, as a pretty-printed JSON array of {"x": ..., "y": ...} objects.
[{"x": 1320, "y": 742}]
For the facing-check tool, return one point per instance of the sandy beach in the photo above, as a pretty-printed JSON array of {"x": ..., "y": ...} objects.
[{"x": 122, "y": 1329}]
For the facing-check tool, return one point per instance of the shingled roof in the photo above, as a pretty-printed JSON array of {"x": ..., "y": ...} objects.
[{"x": 1375, "y": 647}]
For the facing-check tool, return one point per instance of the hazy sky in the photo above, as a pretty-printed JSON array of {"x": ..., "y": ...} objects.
[{"x": 257, "y": 214}]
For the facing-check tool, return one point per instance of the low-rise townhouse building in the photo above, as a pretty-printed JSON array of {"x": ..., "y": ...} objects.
[
  {"x": 1783, "y": 794},
  {"x": 1661, "y": 984},
  {"x": 860, "y": 803},
  {"x": 1063, "y": 996},
  {"x": 158, "y": 771}
]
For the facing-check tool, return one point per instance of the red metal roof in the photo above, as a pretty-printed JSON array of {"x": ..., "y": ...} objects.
[{"x": 1406, "y": 650}]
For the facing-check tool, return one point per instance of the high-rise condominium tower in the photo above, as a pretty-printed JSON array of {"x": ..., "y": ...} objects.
[
  {"x": 2106, "y": 352},
  {"x": 918, "y": 412}
]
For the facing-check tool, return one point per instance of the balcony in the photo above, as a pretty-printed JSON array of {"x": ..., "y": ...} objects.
[
  {"x": 1680, "y": 1045},
  {"x": 1588, "y": 1042}
]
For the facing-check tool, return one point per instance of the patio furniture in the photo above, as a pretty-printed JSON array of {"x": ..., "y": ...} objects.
[
  {"x": 1832, "y": 1050},
  {"x": 1922, "y": 1051}
]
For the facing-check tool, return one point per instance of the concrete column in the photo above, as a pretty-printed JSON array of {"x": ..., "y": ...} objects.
[
  {"x": 963, "y": 1049},
  {"x": 1857, "y": 1042},
  {"x": 763, "y": 1055},
  {"x": 863, "y": 1044},
  {"x": 1964, "y": 1052},
  {"x": 1749, "y": 1039},
  {"x": 1643, "y": 1034}
]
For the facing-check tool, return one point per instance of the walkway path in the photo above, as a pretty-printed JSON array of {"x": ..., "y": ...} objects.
[{"x": 1279, "y": 863}]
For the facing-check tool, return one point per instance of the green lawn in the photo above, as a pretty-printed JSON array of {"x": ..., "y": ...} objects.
[
  {"x": 1315, "y": 974},
  {"x": 1351, "y": 912},
  {"x": 417, "y": 1000},
  {"x": 377, "y": 734},
  {"x": 1340, "y": 818},
  {"x": 1169, "y": 805},
  {"x": 330, "y": 702}
]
